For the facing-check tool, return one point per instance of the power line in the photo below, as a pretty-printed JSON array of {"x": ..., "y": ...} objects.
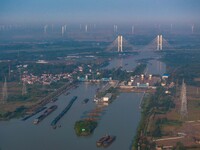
[
  {"x": 24, "y": 89},
  {"x": 4, "y": 92},
  {"x": 183, "y": 98}
]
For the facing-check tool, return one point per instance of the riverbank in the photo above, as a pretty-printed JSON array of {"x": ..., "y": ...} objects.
[
  {"x": 31, "y": 107},
  {"x": 161, "y": 124},
  {"x": 175, "y": 128},
  {"x": 145, "y": 115},
  {"x": 153, "y": 105}
]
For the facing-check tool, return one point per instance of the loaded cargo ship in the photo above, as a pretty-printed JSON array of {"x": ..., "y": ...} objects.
[
  {"x": 34, "y": 113},
  {"x": 45, "y": 114},
  {"x": 53, "y": 123}
]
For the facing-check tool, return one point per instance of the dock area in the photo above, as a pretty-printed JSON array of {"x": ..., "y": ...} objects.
[
  {"x": 141, "y": 84},
  {"x": 50, "y": 97},
  {"x": 137, "y": 90}
]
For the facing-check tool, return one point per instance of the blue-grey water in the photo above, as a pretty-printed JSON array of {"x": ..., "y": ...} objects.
[
  {"x": 120, "y": 118},
  {"x": 154, "y": 65}
]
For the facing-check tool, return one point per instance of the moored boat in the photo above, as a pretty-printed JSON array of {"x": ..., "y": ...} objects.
[
  {"x": 54, "y": 122},
  {"x": 45, "y": 114},
  {"x": 54, "y": 100},
  {"x": 34, "y": 113},
  {"x": 67, "y": 93},
  {"x": 85, "y": 101},
  {"x": 102, "y": 140},
  {"x": 109, "y": 141}
]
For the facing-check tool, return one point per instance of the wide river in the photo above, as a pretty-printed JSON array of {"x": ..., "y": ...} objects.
[
  {"x": 154, "y": 65},
  {"x": 120, "y": 118}
]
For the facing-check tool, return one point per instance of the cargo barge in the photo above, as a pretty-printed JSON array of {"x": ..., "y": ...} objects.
[
  {"x": 45, "y": 114},
  {"x": 53, "y": 123},
  {"x": 34, "y": 113}
]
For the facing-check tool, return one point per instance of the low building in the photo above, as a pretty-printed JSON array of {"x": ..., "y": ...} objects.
[
  {"x": 42, "y": 62},
  {"x": 144, "y": 85},
  {"x": 107, "y": 97},
  {"x": 163, "y": 84},
  {"x": 145, "y": 81},
  {"x": 165, "y": 76}
]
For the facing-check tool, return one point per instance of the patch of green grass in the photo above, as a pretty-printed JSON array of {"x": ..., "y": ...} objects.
[{"x": 84, "y": 128}]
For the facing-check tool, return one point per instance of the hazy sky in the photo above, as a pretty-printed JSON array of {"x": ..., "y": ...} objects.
[{"x": 99, "y": 10}]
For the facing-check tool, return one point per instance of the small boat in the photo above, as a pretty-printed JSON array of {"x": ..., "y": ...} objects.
[
  {"x": 36, "y": 121},
  {"x": 45, "y": 114},
  {"x": 102, "y": 140},
  {"x": 67, "y": 93},
  {"x": 109, "y": 141},
  {"x": 76, "y": 86},
  {"x": 85, "y": 101},
  {"x": 54, "y": 99}
]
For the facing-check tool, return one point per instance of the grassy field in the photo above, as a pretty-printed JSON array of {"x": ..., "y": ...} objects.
[{"x": 16, "y": 99}]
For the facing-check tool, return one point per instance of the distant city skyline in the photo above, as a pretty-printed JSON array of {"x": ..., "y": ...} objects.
[{"x": 100, "y": 11}]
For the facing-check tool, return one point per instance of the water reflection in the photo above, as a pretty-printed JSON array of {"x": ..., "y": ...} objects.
[{"x": 154, "y": 66}]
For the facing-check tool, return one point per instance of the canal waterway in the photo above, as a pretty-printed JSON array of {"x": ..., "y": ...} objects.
[
  {"x": 120, "y": 118},
  {"x": 23, "y": 135}
]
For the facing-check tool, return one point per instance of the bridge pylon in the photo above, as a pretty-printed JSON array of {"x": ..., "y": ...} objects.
[
  {"x": 159, "y": 42},
  {"x": 120, "y": 43}
]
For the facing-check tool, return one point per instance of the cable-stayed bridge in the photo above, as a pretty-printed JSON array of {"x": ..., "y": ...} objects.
[
  {"x": 120, "y": 44},
  {"x": 158, "y": 44}
]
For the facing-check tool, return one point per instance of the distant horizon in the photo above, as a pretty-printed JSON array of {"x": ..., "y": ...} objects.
[
  {"x": 101, "y": 24},
  {"x": 99, "y": 11}
]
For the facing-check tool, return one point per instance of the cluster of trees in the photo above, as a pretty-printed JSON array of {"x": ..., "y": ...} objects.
[
  {"x": 116, "y": 74},
  {"x": 183, "y": 65},
  {"x": 158, "y": 102},
  {"x": 163, "y": 121},
  {"x": 49, "y": 50},
  {"x": 179, "y": 146},
  {"x": 122, "y": 75},
  {"x": 157, "y": 129},
  {"x": 4, "y": 71},
  {"x": 39, "y": 69},
  {"x": 17, "y": 113},
  {"x": 84, "y": 128},
  {"x": 139, "y": 69}
]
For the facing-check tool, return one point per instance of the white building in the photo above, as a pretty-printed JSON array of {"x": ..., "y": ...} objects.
[
  {"x": 107, "y": 97},
  {"x": 165, "y": 76}
]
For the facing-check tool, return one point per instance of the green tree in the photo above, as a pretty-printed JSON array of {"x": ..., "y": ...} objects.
[{"x": 179, "y": 146}]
